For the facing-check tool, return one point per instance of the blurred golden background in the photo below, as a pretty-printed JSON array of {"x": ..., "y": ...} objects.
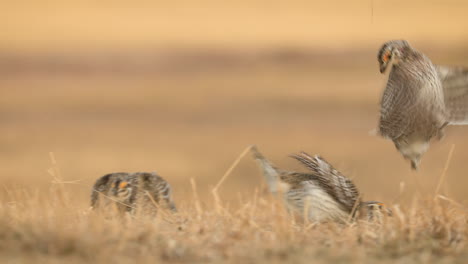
[{"x": 183, "y": 87}]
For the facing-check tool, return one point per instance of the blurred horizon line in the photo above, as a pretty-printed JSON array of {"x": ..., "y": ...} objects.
[{"x": 180, "y": 60}]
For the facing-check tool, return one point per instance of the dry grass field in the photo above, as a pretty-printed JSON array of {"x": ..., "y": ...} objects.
[{"x": 182, "y": 88}]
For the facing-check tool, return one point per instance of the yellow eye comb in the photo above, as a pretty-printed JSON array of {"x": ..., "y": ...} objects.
[
  {"x": 123, "y": 184},
  {"x": 386, "y": 57}
]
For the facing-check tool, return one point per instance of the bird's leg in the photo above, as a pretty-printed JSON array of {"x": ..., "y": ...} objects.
[
  {"x": 415, "y": 163},
  {"x": 441, "y": 132}
]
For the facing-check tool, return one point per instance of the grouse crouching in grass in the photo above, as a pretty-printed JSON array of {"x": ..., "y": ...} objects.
[{"x": 140, "y": 192}]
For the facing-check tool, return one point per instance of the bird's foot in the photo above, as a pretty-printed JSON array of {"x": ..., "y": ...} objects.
[{"x": 415, "y": 164}]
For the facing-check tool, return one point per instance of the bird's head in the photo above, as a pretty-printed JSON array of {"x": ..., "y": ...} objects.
[
  {"x": 374, "y": 211},
  {"x": 391, "y": 53},
  {"x": 121, "y": 189}
]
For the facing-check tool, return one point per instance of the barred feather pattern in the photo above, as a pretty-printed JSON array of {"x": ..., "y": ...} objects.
[
  {"x": 413, "y": 101},
  {"x": 341, "y": 188},
  {"x": 141, "y": 191},
  {"x": 155, "y": 187},
  {"x": 455, "y": 86},
  {"x": 322, "y": 194},
  {"x": 310, "y": 199},
  {"x": 413, "y": 108}
]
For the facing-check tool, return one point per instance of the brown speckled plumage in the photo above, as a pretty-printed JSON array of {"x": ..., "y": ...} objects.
[
  {"x": 341, "y": 188},
  {"x": 132, "y": 192},
  {"x": 455, "y": 85},
  {"x": 419, "y": 100},
  {"x": 323, "y": 192}
]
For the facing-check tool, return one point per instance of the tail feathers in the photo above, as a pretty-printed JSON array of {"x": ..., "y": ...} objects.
[
  {"x": 166, "y": 193},
  {"x": 270, "y": 173},
  {"x": 94, "y": 198}
]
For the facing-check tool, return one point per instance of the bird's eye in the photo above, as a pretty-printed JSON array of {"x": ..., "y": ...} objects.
[{"x": 386, "y": 56}]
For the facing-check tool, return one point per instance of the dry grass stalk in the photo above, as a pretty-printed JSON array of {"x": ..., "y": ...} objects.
[
  {"x": 214, "y": 191},
  {"x": 258, "y": 230},
  {"x": 444, "y": 172},
  {"x": 196, "y": 199}
]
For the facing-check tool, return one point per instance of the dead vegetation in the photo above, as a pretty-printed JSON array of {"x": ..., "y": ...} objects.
[
  {"x": 258, "y": 231},
  {"x": 55, "y": 228}
]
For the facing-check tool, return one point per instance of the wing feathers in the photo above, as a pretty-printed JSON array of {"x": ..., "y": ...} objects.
[
  {"x": 336, "y": 184},
  {"x": 455, "y": 85}
]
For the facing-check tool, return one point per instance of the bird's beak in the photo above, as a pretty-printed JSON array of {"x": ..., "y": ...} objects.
[{"x": 383, "y": 67}]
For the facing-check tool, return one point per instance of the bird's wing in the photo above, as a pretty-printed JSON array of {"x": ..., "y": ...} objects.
[
  {"x": 157, "y": 187},
  {"x": 455, "y": 85},
  {"x": 270, "y": 172},
  {"x": 396, "y": 102},
  {"x": 337, "y": 185}
]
